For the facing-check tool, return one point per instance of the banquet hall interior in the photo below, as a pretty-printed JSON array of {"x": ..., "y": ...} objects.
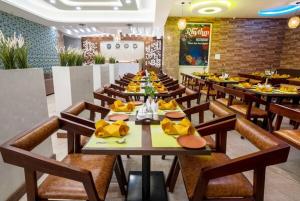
[{"x": 150, "y": 100}]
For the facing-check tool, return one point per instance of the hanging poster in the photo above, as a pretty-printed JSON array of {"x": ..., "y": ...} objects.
[{"x": 195, "y": 44}]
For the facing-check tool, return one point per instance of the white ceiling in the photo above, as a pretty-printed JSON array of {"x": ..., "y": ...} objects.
[
  {"x": 238, "y": 9},
  {"x": 146, "y": 17}
]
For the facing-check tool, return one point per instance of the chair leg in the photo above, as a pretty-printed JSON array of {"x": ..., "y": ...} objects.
[
  {"x": 163, "y": 157},
  {"x": 174, "y": 177},
  {"x": 120, "y": 175},
  {"x": 171, "y": 172}
]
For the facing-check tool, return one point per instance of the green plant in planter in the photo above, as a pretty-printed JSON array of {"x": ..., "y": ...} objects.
[
  {"x": 70, "y": 57},
  {"x": 150, "y": 91},
  {"x": 112, "y": 60},
  {"x": 99, "y": 59},
  {"x": 13, "y": 52}
]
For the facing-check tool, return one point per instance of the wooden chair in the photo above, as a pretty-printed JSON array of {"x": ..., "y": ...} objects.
[
  {"x": 171, "y": 83},
  {"x": 217, "y": 177},
  {"x": 247, "y": 109},
  {"x": 173, "y": 87},
  {"x": 177, "y": 92},
  {"x": 116, "y": 94},
  {"x": 205, "y": 88},
  {"x": 96, "y": 112},
  {"x": 116, "y": 87},
  {"x": 183, "y": 79},
  {"x": 121, "y": 83},
  {"x": 77, "y": 177},
  {"x": 105, "y": 100},
  {"x": 222, "y": 114},
  {"x": 291, "y": 136},
  {"x": 221, "y": 96}
]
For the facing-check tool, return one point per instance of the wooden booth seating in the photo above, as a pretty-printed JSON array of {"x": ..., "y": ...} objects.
[
  {"x": 291, "y": 136},
  {"x": 247, "y": 109},
  {"x": 77, "y": 177},
  {"x": 222, "y": 113},
  {"x": 218, "y": 177},
  {"x": 221, "y": 96}
]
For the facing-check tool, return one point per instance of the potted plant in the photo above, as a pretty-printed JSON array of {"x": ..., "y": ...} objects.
[
  {"x": 100, "y": 71},
  {"x": 23, "y": 100},
  {"x": 73, "y": 81}
]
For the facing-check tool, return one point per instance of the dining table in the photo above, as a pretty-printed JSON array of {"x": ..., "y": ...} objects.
[
  {"x": 275, "y": 94},
  {"x": 144, "y": 139}
]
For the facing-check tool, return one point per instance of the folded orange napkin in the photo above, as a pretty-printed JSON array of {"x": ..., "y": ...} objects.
[
  {"x": 133, "y": 87},
  {"x": 116, "y": 129},
  {"x": 287, "y": 88},
  {"x": 119, "y": 106},
  {"x": 137, "y": 78},
  {"x": 245, "y": 85},
  {"x": 184, "y": 127},
  {"x": 163, "y": 105}
]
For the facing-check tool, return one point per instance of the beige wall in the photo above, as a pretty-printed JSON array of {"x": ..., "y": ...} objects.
[{"x": 245, "y": 45}]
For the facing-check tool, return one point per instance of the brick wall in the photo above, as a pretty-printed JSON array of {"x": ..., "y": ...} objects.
[
  {"x": 290, "y": 57},
  {"x": 245, "y": 45}
]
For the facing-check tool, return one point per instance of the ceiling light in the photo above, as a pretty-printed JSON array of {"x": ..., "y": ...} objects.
[
  {"x": 78, "y": 8},
  {"x": 116, "y": 8},
  {"x": 94, "y": 29},
  {"x": 69, "y": 31},
  {"x": 75, "y": 30},
  {"x": 81, "y": 30},
  {"x": 181, "y": 24},
  {"x": 294, "y": 22},
  {"x": 282, "y": 10},
  {"x": 209, "y": 10},
  {"x": 128, "y": 1},
  {"x": 210, "y": 7},
  {"x": 54, "y": 28},
  {"x": 88, "y": 30},
  {"x": 53, "y": 1}
]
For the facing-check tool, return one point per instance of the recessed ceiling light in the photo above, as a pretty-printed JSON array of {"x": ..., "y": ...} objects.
[
  {"x": 116, "y": 8},
  {"x": 209, "y": 10},
  {"x": 75, "y": 30},
  {"x": 94, "y": 29},
  {"x": 53, "y": 27},
  {"x": 78, "y": 8},
  {"x": 88, "y": 30},
  {"x": 53, "y": 1},
  {"x": 210, "y": 7},
  {"x": 128, "y": 1},
  {"x": 81, "y": 30}
]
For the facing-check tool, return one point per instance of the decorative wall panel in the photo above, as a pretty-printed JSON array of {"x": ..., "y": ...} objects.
[
  {"x": 41, "y": 40},
  {"x": 153, "y": 53}
]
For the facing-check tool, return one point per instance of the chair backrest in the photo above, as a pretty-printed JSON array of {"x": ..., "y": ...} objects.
[
  {"x": 284, "y": 111},
  {"x": 173, "y": 87},
  {"x": 178, "y": 92},
  {"x": 116, "y": 94},
  {"x": 246, "y": 97},
  {"x": 117, "y": 87},
  {"x": 218, "y": 109},
  {"x": 105, "y": 100},
  {"x": 220, "y": 90},
  {"x": 256, "y": 135}
]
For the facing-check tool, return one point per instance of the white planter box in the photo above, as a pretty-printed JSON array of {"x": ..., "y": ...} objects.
[
  {"x": 71, "y": 85},
  {"x": 113, "y": 72},
  {"x": 23, "y": 105},
  {"x": 100, "y": 75}
]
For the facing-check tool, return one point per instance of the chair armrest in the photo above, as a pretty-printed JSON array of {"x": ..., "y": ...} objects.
[
  {"x": 187, "y": 98},
  {"x": 248, "y": 162},
  {"x": 216, "y": 120},
  {"x": 223, "y": 126},
  {"x": 196, "y": 109},
  {"x": 76, "y": 128},
  {"x": 78, "y": 119},
  {"x": 95, "y": 108}
]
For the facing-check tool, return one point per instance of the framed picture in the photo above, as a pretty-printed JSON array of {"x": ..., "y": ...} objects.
[
  {"x": 108, "y": 46},
  {"x": 118, "y": 45},
  {"x": 126, "y": 46},
  {"x": 135, "y": 46},
  {"x": 195, "y": 44}
]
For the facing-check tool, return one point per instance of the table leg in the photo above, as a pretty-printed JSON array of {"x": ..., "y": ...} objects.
[{"x": 146, "y": 177}]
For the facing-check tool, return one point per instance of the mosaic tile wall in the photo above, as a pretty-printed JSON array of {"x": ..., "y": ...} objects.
[
  {"x": 245, "y": 45},
  {"x": 290, "y": 57},
  {"x": 41, "y": 40}
]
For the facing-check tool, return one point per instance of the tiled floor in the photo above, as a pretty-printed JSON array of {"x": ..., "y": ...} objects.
[{"x": 282, "y": 181}]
